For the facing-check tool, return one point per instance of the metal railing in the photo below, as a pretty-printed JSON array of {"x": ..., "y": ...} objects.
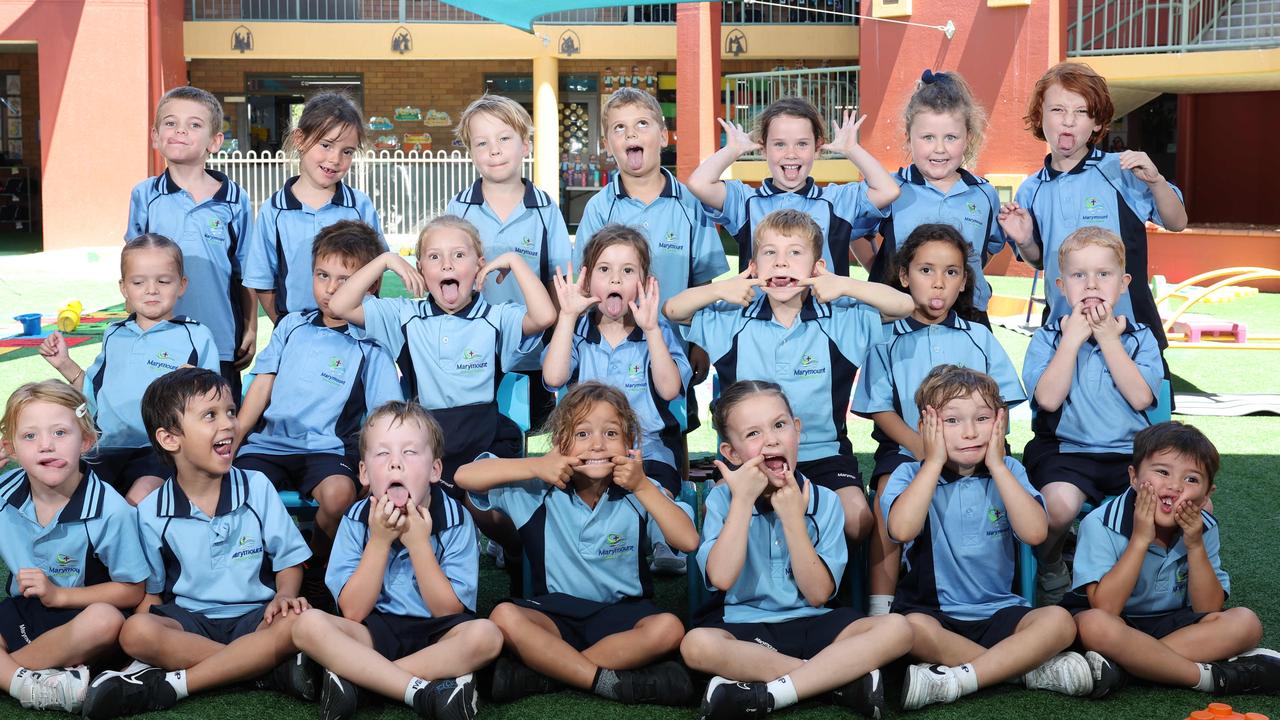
[
  {"x": 832, "y": 90},
  {"x": 1104, "y": 27},
  {"x": 408, "y": 189}
]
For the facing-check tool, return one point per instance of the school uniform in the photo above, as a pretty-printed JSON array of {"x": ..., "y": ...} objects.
[
  {"x": 279, "y": 255},
  {"x": 331, "y": 380},
  {"x": 837, "y": 208},
  {"x": 1088, "y": 441},
  {"x": 93, "y": 539},
  {"x": 895, "y": 369},
  {"x": 213, "y": 236},
  {"x": 401, "y": 623},
  {"x": 215, "y": 575},
  {"x": 960, "y": 567}
]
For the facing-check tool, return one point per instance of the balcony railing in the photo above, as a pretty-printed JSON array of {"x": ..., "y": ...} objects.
[
  {"x": 1107, "y": 27},
  {"x": 833, "y": 90}
]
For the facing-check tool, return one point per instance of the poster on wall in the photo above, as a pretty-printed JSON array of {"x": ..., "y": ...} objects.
[
  {"x": 13, "y": 128},
  {"x": 14, "y": 149},
  {"x": 15, "y": 106},
  {"x": 13, "y": 84}
]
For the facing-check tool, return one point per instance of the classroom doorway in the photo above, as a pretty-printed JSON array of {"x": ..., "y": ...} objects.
[{"x": 273, "y": 104}]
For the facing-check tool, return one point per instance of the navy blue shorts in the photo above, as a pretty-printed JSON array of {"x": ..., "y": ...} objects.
[
  {"x": 1157, "y": 626},
  {"x": 1098, "y": 475},
  {"x": 667, "y": 476},
  {"x": 120, "y": 467},
  {"x": 23, "y": 619},
  {"x": 583, "y": 623},
  {"x": 301, "y": 472},
  {"x": 986, "y": 633},
  {"x": 219, "y": 630},
  {"x": 232, "y": 376},
  {"x": 801, "y": 638},
  {"x": 397, "y": 636},
  {"x": 890, "y": 460},
  {"x": 834, "y": 472}
]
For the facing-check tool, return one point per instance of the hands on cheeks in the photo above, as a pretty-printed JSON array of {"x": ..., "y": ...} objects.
[
  {"x": 556, "y": 469},
  {"x": 995, "y": 447},
  {"x": 1144, "y": 516},
  {"x": 748, "y": 481},
  {"x": 1187, "y": 514},
  {"x": 574, "y": 297},
  {"x": 935, "y": 446},
  {"x": 646, "y": 307}
]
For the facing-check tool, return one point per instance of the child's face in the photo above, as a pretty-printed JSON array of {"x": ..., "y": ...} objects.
[
  {"x": 1092, "y": 275},
  {"x": 205, "y": 440},
  {"x": 1174, "y": 477},
  {"x": 598, "y": 437},
  {"x": 1066, "y": 123},
  {"x": 185, "y": 134},
  {"x": 398, "y": 462},
  {"x": 635, "y": 139},
  {"x": 967, "y": 424},
  {"x": 48, "y": 442},
  {"x": 327, "y": 161},
  {"x": 790, "y": 151},
  {"x": 615, "y": 279},
  {"x": 449, "y": 264},
  {"x": 496, "y": 148},
  {"x": 938, "y": 141},
  {"x": 152, "y": 283},
  {"x": 935, "y": 278},
  {"x": 328, "y": 273},
  {"x": 782, "y": 261},
  {"x": 761, "y": 425}
]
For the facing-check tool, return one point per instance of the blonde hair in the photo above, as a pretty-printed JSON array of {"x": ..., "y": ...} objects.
[
  {"x": 791, "y": 223},
  {"x": 945, "y": 383},
  {"x": 1091, "y": 235},
  {"x": 577, "y": 403},
  {"x": 501, "y": 108},
  {"x": 56, "y": 392},
  {"x": 455, "y": 222},
  {"x": 946, "y": 93},
  {"x": 196, "y": 95},
  {"x": 402, "y": 412},
  {"x": 623, "y": 97}
]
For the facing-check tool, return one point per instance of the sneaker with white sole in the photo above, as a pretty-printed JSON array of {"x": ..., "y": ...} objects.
[
  {"x": 52, "y": 689},
  {"x": 494, "y": 550},
  {"x": 1067, "y": 673},
  {"x": 114, "y": 694},
  {"x": 864, "y": 695},
  {"x": 339, "y": 697},
  {"x": 727, "y": 699},
  {"x": 1053, "y": 580},
  {"x": 927, "y": 684},
  {"x": 665, "y": 561},
  {"x": 1255, "y": 673},
  {"x": 1107, "y": 676},
  {"x": 448, "y": 699}
]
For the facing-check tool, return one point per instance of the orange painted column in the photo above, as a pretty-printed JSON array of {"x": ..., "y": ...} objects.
[
  {"x": 698, "y": 94},
  {"x": 168, "y": 64}
]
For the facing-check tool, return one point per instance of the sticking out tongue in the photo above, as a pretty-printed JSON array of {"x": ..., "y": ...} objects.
[
  {"x": 935, "y": 303},
  {"x": 635, "y": 159},
  {"x": 613, "y": 305},
  {"x": 399, "y": 495},
  {"x": 1066, "y": 141},
  {"x": 449, "y": 292},
  {"x": 53, "y": 463}
]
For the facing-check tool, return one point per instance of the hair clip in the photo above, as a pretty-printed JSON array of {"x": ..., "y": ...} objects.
[
  {"x": 82, "y": 410},
  {"x": 927, "y": 77}
]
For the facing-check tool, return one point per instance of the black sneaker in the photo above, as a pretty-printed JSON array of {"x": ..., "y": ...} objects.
[
  {"x": 727, "y": 700},
  {"x": 114, "y": 694},
  {"x": 454, "y": 699},
  {"x": 295, "y": 677},
  {"x": 513, "y": 680},
  {"x": 666, "y": 683},
  {"x": 1245, "y": 674},
  {"x": 864, "y": 695},
  {"x": 339, "y": 697},
  {"x": 1108, "y": 677}
]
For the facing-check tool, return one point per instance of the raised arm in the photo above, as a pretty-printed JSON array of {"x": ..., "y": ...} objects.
[
  {"x": 739, "y": 290},
  {"x": 892, "y": 304},
  {"x": 540, "y": 311},
  {"x": 574, "y": 300},
  {"x": 881, "y": 189},
  {"x": 910, "y": 510},
  {"x": 704, "y": 182},
  {"x": 348, "y": 302}
]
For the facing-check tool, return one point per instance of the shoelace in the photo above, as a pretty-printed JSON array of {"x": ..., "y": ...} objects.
[{"x": 44, "y": 691}]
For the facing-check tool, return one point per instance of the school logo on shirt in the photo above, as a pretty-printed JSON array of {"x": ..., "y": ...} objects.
[
  {"x": 64, "y": 566},
  {"x": 973, "y": 212},
  {"x": 215, "y": 230},
  {"x": 999, "y": 520},
  {"x": 809, "y": 367},
  {"x": 246, "y": 547},
  {"x": 670, "y": 244},
  {"x": 472, "y": 362},
  {"x": 1094, "y": 211},
  {"x": 526, "y": 247},
  {"x": 616, "y": 547},
  {"x": 335, "y": 372},
  {"x": 1180, "y": 579},
  {"x": 162, "y": 362}
]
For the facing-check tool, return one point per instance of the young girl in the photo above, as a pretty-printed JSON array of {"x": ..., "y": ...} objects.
[
  {"x": 149, "y": 343},
  {"x": 582, "y": 511},
  {"x": 932, "y": 266},
  {"x": 792, "y": 132},
  {"x": 329, "y": 132},
  {"x": 944, "y": 127},
  {"x": 68, "y": 584}
]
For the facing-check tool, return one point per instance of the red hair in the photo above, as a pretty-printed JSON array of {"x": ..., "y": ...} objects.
[{"x": 1081, "y": 80}]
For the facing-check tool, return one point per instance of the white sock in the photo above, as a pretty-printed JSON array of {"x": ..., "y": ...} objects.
[
  {"x": 415, "y": 685},
  {"x": 783, "y": 692},
  {"x": 968, "y": 678},
  {"x": 20, "y": 677},
  {"x": 879, "y": 605},
  {"x": 1206, "y": 678},
  {"x": 178, "y": 681}
]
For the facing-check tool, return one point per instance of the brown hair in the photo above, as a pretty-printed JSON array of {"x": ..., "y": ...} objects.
[
  {"x": 608, "y": 236},
  {"x": 348, "y": 239},
  {"x": 791, "y": 107},
  {"x": 1091, "y": 235},
  {"x": 945, "y": 383},
  {"x": 56, "y": 392},
  {"x": 791, "y": 223},
  {"x": 152, "y": 241},
  {"x": 503, "y": 109},
  {"x": 165, "y": 400},
  {"x": 578, "y": 402},
  {"x": 946, "y": 93},
  {"x": 738, "y": 392},
  {"x": 1081, "y": 80},
  {"x": 1186, "y": 440},
  {"x": 948, "y": 235},
  {"x": 194, "y": 94},
  {"x": 455, "y": 222},
  {"x": 401, "y": 412},
  {"x": 622, "y": 97},
  {"x": 324, "y": 113}
]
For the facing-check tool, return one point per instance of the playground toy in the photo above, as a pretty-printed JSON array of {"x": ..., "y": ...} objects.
[
  {"x": 30, "y": 323},
  {"x": 69, "y": 316},
  {"x": 1193, "y": 328},
  {"x": 1222, "y": 711}
]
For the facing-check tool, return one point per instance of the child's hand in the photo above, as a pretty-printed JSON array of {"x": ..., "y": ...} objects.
[
  {"x": 386, "y": 521},
  {"x": 32, "y": 582},
  {"x": 740, "y": 290},
  {"x": 995, "y": 448},
  {"x": 646, "y": 307},
  {"x": 1103, "y": 325},
  {"x": 628, "y": 471},
  {"x": 826, "y": 285},
  {"x": 1144, "y": 516},
  {"x": 789, "y": 501},
  {"x": 501, "y": 265},
  {"x": 54, "y": 349},
  {"x": 417, "y": 530},
  {"x": 573, "y": 296},
  {"x": 1187, "y": 513},
  {"x": 282, "y": 605},
  {"x": 748, "y": 481},
  {"x": 844, "y": 136},
  {"x": 736, "y": 139},
  {"x": 1016, "y": 222},
  {"x": 1140, "y": 165},
  {"x": 556, "y": 469},
  {"x": 246, "y": 349},
  {"x": 413, "y": 281},
  {"x": 935, "y": 445},
  {"x": 1076, "y": 329}
]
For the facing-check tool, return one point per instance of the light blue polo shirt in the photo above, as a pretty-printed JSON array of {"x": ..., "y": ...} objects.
[
  {"x": 1095, "y": 192},
  {"x": 327, "y": 380},
  {"x": 962, "y": 561},
  {"x": 453, "y": 542},
  {"x": 837, "y": 208},
  {"x": 626, "y": 367},
  {"x": 814, "y": 360},
  {"x": 130, "y": 360},
  {"x": 222, "y": 566},
  {"x": 279, "y": 256},
  {"x": 214, "y": 237},
  {"x": 590, "y": 553},
  {"x": 1095, "y": 417},
  {"x": 94, "y": 538},
  {"x": 1162, "y": 582},
  {"x": 766, "y": 589},
  {"x": 896, "y": 367},
  {"x": 970, "y": 206},
  {"x": 684, "y": 246}
]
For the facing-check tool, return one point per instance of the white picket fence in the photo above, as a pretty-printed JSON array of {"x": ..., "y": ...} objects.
[{"x": 408, "y": 189}]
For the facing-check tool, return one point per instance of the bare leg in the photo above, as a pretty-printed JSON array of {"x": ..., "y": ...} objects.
[
  {"x": 162, "y": 642},
  {"x": 649, "y": 640},
  {"x": 857, "y": 516},
  {"x": 1040, "y": 635},
  {"x": 1170, "y": 660},
  {"x": 334, "y": 494},
  {"x": 716, "y": 652},
  {"x": 87, "y": 636},
  {"x": 885, "y": 554},
  {"x": 1062, "y": 501},
  {"x": 860, "y": 648},
  {"x": 537, "y": 641}
]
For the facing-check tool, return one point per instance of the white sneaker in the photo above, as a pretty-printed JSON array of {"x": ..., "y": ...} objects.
[
  {"x": 54, "y": 689},
  {"x": 665, "y": 561},
  {"x": 1052, "y": 582},
  {"x": 1067, "y": 673},
  {"x": 927, "y": 684}
]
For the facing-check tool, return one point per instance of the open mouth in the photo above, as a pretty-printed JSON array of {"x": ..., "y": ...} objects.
[
  {"x": 776, "y": 464},
  {"x": 613, "y": 306},
  {"x": 790, "y": 172},
  {"x": 399, "y": 494},
  {"x": 1066, "y": 141},
  {"x": 782, "y": 281},
  {"x": 597, "y": 461},
  {"x": 635, "y": 158},
  {"x": 936, "y": 303},
  {"x": 223, "y": 447},
  {"x": 55, "y": 463},
  {"x": 1167, "y": 503},
  {"x": 450, "y": 291}
]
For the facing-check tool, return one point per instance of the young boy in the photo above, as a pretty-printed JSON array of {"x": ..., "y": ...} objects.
[
  {"x": 808, "y": 331},
  {"x": 1091, "y": 376},
  {"x": 312, "y": 387},
  {"x": 71, "y": 545},
  {"x": 225, "y": 558},
  {"x": 1147, "y": 564},
  {"x": 208, "y": 215},
  {"x": 961, "y": 512},
  {"x": 404, "y": 569}
]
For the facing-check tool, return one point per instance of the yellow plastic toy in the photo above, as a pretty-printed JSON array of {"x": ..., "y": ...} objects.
[{"x": 69, "y": 316}]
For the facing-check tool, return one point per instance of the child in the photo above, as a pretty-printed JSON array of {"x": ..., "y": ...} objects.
[
  {"x": 71, "y": 545},
  {"x": 225, "y": 561},
  {"x": 945, "y": 126},
  {"x": 1091, "y": 374},
  {"x": 961, "y": 512},
  {"x": 932, "y": 266},
  {"x": 136, "y": 351},
  {"x": 329, "y": 132},
  {"x": 404, "y": 569},
  {"x": 772, "y": 547},
  {"x": 792, "y": 132},
  {"x": 1082, "y": 185},
  {"x": 313, "y": 386},
  {"x": 510, "y": 212},
  {"x": 208, "y": 216},
  {"x": 582, "y": 512},
  {"x": 808, "y": 330},
  {"x": 1147, "y": 563}
]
